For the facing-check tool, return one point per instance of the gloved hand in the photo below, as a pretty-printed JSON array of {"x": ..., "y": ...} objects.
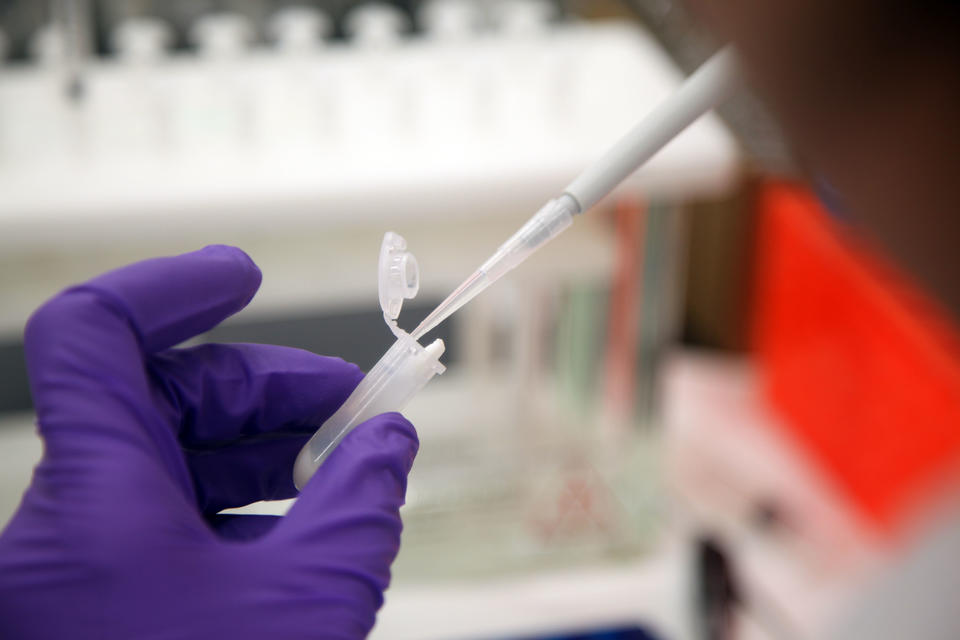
[{"x": 116, "y": 536}]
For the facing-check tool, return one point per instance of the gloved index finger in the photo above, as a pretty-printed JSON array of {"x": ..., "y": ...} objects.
[
  {"x": 86, "y": 348},
  {"x": 169, "y": 300}
]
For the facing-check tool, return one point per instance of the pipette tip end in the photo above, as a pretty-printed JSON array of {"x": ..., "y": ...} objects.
[{"x": 460, "y": 296}]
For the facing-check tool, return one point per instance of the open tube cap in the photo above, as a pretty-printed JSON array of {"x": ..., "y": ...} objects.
[{"x": 399, "y": 275}]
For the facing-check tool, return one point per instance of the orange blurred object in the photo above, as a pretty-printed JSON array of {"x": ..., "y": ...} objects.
[
  {"x": 621, "y": 348},
  {"x": 863, "y": 367}
]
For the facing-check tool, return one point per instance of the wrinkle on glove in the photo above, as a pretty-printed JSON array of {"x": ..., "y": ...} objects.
[{"x": 118, "y": 535}]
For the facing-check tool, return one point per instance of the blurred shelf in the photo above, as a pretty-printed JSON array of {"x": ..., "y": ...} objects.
[{"x": 557, "y": 102}]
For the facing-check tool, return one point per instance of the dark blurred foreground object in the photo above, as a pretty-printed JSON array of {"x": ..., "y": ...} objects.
[
  {"x": 716, "y": 595},
  {"x": 868, "y": 94}
]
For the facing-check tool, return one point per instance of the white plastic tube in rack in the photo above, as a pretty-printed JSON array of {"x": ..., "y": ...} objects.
[{"x": 299, "y": 29}]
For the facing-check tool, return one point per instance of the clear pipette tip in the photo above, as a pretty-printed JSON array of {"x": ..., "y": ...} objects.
[
  {"x": 546, "y": 224},
  {"x": 460, "y": 296}
]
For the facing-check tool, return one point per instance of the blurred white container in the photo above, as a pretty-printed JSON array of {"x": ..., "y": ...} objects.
[
  {"x": 295, "y": 95},
  {"x": 211, "y": 103},
  {"x": 375, "y": 24},
  {"x": 455, "y": 20},
  {"x": 299, "y": 29},
  {"x": 126, "y": 111},
  {"x": 39, "y": 123}
]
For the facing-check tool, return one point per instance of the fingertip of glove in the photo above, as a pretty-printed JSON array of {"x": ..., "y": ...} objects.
[
  {"x": 238, "y": 256},
  {"x": 391, "y": 433},
  {"x": 38, "y": 322},
  {"x": 399, "y": 429},
  {"x": 227, "y": 251},
  {"x": 342, "y": 369},
  {"x": 371, "y": 465}
]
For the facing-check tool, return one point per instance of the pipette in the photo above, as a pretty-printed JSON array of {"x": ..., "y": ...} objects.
[{"x": 703, "y": 90}]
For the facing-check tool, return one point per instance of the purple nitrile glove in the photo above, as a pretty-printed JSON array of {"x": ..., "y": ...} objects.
[{"x": 117, "y": 536}]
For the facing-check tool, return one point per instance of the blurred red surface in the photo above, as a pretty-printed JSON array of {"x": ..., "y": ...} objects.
[{"x": 864, "y": 369}]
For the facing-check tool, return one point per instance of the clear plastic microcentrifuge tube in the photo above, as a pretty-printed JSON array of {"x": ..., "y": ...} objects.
[{"x": 397, "y": 377}]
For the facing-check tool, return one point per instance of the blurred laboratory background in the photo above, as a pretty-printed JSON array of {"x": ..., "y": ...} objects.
[{"x": 623, "y": 445}]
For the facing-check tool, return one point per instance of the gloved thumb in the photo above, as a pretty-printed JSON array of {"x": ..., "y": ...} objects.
[{"x": 348, "y": 513}]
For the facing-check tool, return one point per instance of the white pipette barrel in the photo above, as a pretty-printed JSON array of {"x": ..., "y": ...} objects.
[{"x": 703, "y": 90}]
